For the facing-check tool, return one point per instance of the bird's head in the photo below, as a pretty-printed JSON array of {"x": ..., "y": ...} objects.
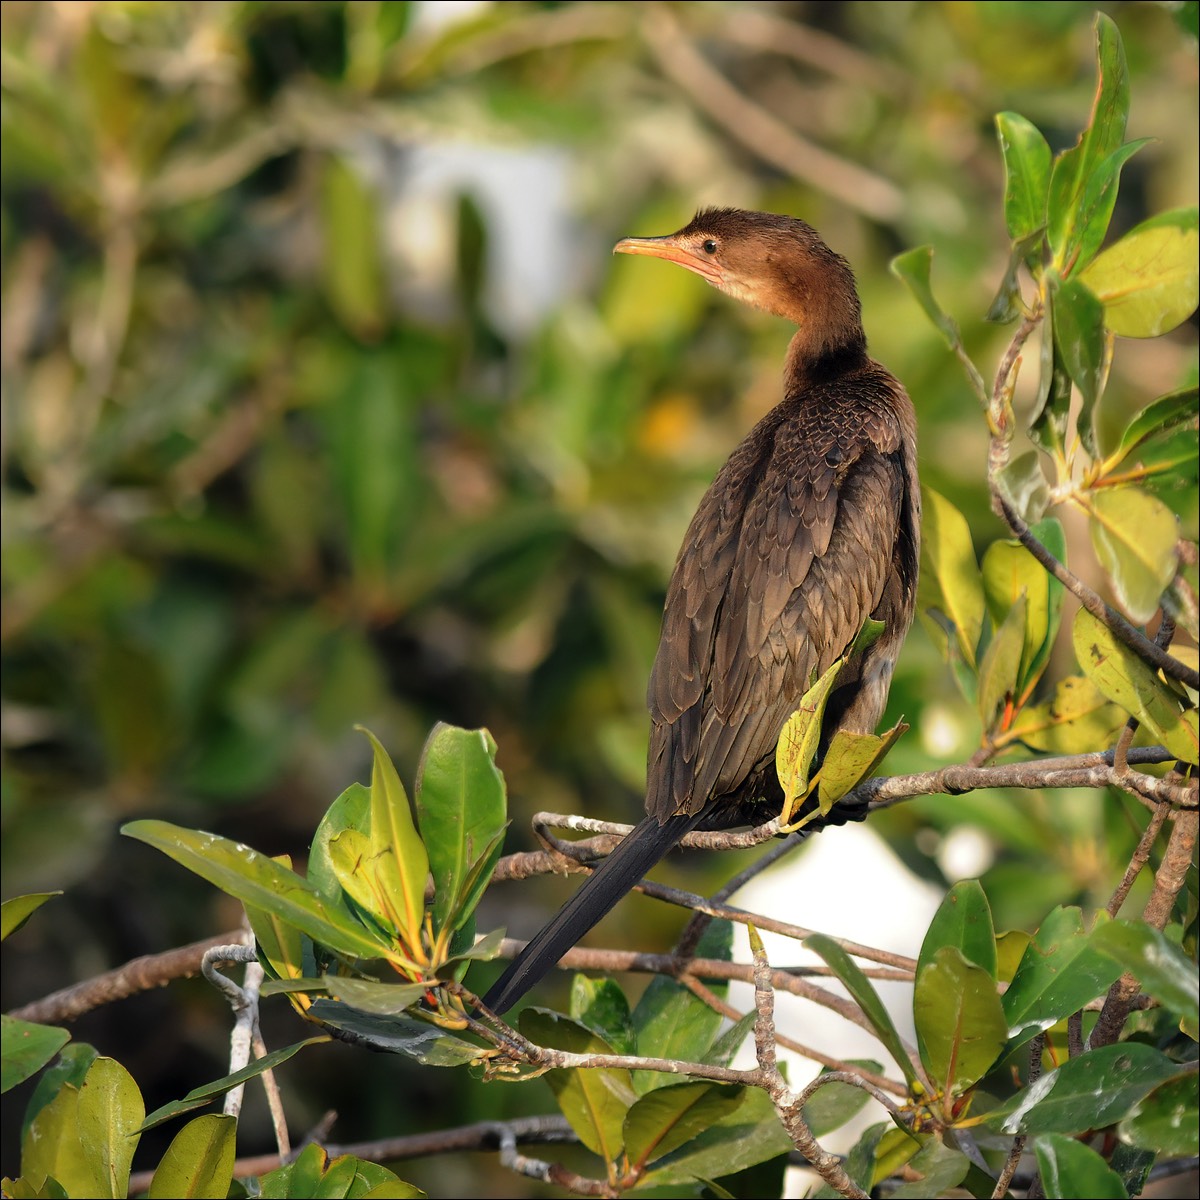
[{"x": 776, "y": 263}]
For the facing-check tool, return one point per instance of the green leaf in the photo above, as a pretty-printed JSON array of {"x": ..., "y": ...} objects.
[
  {"x": 1000, "y": 669},
  {"x": 1176, "y": 411},
  {"x": 353, "y": 267},
  {"x": 25, "y": 1048},
  {"x": 851, "y": 758},
  {"x": 601, "y": 1006},
  {"x": 948, "y": 560},
  {"x": 1134, "y": 536},
  {"x": 913, "y": 268},
  {"x": 1126, "y": 680},
  {"x": 1160, "y": 966},
  {"x": 1009, "y": 572},
  {"x": 1079, "y": 334},
  {"x": 1026, "y": 174},
  {"x": 52, "y": 1147},
  {"x": 1148, "y": 281},
  {"x": 199, "y": 1160},
  {"x": 960, "y": 1020},
  {"x": 351, "y": 810},
  {"x": 670, "y": 1116},
  {"x": 369, "y": 995},
  {"x": 1077, "y": 719},
  {"x": 1166, "y": 1120},
  {"x": 593, "y": 1101},
  {"x": 427, "y": 1044},
  {"x": 865, "y": 996},
  {"x": 1058, "y": 974},
  {"x": 1024, "y": 486},
  {"x": 108, "y": 1116},
  {"x": 208, "y": 1092},
  {"x": 964, "y": 921},
  {"x": 1069, "y": 1168},
  {"x": 15, "y": 912},
  {"x": 71, "y": 1068},
  {"x": 1051, "y": 407},
  {"x": 799, "y": 739},
  {"x": 833, "y": 1104},
  {"x": 941, "y": 1168},
  {"x": 257, "y": 880},
  {"x": 725, "y": 1048},
  {"x": 1096, "y": 205},
  {"x": 462, "y": 811},
  {"x": 397, "y": 848}
]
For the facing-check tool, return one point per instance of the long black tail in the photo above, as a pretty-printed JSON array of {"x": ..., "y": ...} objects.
[{"x": 617, "y": 874}]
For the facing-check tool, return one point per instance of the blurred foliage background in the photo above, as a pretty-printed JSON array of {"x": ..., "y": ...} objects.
[{"x": 324, "y": 403}]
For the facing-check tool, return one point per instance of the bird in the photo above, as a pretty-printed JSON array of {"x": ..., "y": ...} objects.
[{"x": 811, "y": 527}]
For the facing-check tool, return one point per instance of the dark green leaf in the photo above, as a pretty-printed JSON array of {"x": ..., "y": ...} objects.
[
  {"x": 1166, "y": 1120},
  {"x": 1051, "y": 407},
  {"x": 1176, "y": 412},
  {"x": 368, "y": 995},
  {"x": 833, "y": 1104},
  {"x": 25, "y": 1048},
  {"x": 1026, "y": 174},
  {"x": 1079, "y": 335},
  {"x": 15, "y": 912},
  {"x": 963, "y": 920},
  {"x": 199, "y": 1160},
  {"x": 939, "y": 1166},
  {"x": 1069, "y": 1168},
  {"x": 865, "y": 996},
  {"x": 725, "y": 1048},
  {"x": 668, "y": 1117},
  {"x": 1058, "y": 974},
  {"x": 1161, "y": 967},
  {"x": 601, "y": 1006},
  {"x": 426, "y": 1043},
  {"x": 1096, "y": 1089}
]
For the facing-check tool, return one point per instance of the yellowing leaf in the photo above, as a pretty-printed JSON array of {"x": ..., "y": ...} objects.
[
  {"x": 1134, "y": 536},
  {"x": 850, "y": 759},
  {"x": 799, "y": 738}
]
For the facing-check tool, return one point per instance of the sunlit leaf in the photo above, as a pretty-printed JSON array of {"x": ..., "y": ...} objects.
[
  {"x": 369, "y": 995},
  {"x": 833, "y": 1104},
  {"x": 109, "y": 1118},
  {"x": 26, "y": 1048},
  {"x": 964, "y": 921},
  {"x": 1077, "y": 718},
  {"x": 800, "y": 737},
  {"x": 199, "y": 1160},
  {"x": 601, "y": 1005},
  {"x": 1079, "y": 335},
  {"x": 1161, "y": 967},
  {"x": 1000, "y": 669},
  {"x": 1026, "y": 174},
  {"x": 948, "y": 559},
  {"x": 668, "y": 1117},
  {"x": 15, "y": 912},
  {"x": 1024, "y": 486},
  {"x": 1166, "y": 1120},
  {"x": 851, "y": 758}
]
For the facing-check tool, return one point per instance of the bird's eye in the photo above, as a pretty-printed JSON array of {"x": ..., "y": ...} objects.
[{"x": 709, "y": 247}]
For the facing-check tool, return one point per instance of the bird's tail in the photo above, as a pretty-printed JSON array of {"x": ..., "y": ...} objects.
[{"x": 617, "y": 874}]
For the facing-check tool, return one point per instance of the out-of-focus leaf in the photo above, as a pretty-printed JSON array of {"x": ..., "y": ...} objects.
[
  {"x": 1177, "y": 411},
  {"x": 1069, "y": 1168},
  {"x": 865, "y": 996},
  {"x": 1009, "y": 572},
  {"x": 799, "y": 738},
  {"x": 1078, "y": 718},
  {"x": 594, "y": 1101},
  {"x": 959, "y": 1018},
  {"x": 199, "y": 1160},
  {"x": 1166, "y": 1120},
  {"x": 461, "y": 808},
  {"x": 1058, "y": 974},
  {"x": 1096, "y": 1089},
  {"x": 1010, "y": 949},
  {"x": 1149, "y": 282},
  {"x": 25, "y": 1048},
  {"x": 1160, "y": 966},
  {"x": 964, "y": 921},
  {"x": 1024, "y": 486},
  {"x": 601, "y": 1005},
  {"x": 851, "y": 758},
  {"x": 15, "y": 912},
  {"x": 315, "y": 1174},
  {"x": 948, "y": 559},
  {"x": 668, "y": 1117},
  {"x": 1126, "y": 680},
  {"x": 1026, "y": 174},
  {"x": 1134, "y": 536},
  {"x": 428, "y": 1044},
  {"x": 833, "y": 1104},
  {"x": 1000, "y": 669},
  {"x": 353, "y": 267},
  {"x": 257, "y": 880},
  {"x": 206, "y": 1093}
]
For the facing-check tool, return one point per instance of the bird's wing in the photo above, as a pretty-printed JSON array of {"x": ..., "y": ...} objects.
[{"x": 787, "y": 555}]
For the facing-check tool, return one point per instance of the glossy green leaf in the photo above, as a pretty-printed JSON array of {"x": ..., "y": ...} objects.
[
  {"x": 601, "y": 1006},
  {"x": 462, "y": 811},
  {"x": 1095, "y": 207},
  {"x": 1052, "y": 404},
  {"x": 948, "y": 560},
  {"x": 1058, "y": 974},
  {"x": 1024, "y": 486},
  {"x": 1166, "y": 1120},
  {"x": 800, "y": 737},
  {"x": 368, "y": 995},
  {"x": 1096, "y": 1089},
  {"x": 281, "y": 945},
  {"x": 208, "y": 1092},
  {"x": 399, "y": 853},
  {"x": 860, "y": 1163},
  {"x": 199, "y": 1160},
  {"x": 865, "y": 996},
  {"x": 833, "y": 1104},
  {"x": 1134, "y": 536},
  {"x": 257, "y": 880},
  {"x": 668, "y": 1117},
  {"x": 1069, "y": 1168},
  {"x": 1176, "y": 412},
  {"x": 1079, "y": 335},
  {"x": 1148, "y": 282},
  {"x": 1161, "y": 967},
  {"x": 15, "y": 912},
  {"x": 351, "y": 810},
  {"x": 999, "y": 671},
  {"x": 851, "y": 758},
  {"x": 314, "y": 1175},
  {"x": 964, "y": 921},
  {"x": 725, "y": 1048},
  {"x": 1026, "y": 174},
  {"x": 940, "y": 1168},
  {"x": 1127, "y": 681},
  {"x": 1009, "y": 572},
  {"x": 1078, "y": 718},
  {"x": 960, "y": 1020},
  {"x": 108, "y": 1116},
  {"x": 25, "y": 1048},
  {"x": 595, "y": 1102},
  {"x": 427, "y": 1044}
]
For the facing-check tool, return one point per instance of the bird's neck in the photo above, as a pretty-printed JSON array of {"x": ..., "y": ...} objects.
[{"x": 813, "y": 355}]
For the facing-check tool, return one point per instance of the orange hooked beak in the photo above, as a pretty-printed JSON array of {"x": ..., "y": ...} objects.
[{"x": 668, "y": 248}]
